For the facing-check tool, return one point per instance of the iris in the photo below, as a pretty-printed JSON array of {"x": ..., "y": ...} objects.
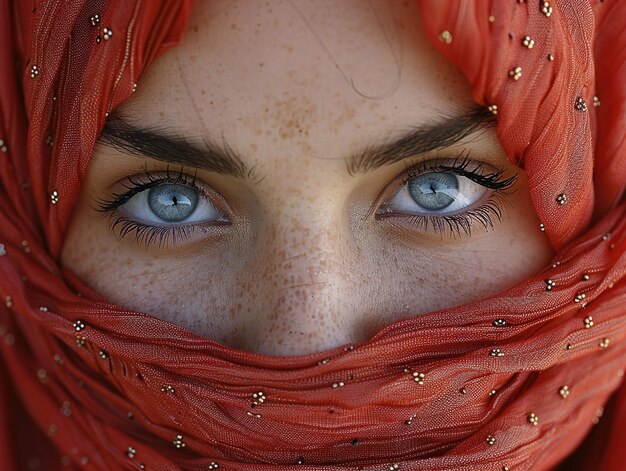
[
  {"x": 172, "y": 203},
  {"x": 434, "y": 191}
]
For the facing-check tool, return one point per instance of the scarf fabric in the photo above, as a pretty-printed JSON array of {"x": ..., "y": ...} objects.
[{"x": 515, "y": 381}]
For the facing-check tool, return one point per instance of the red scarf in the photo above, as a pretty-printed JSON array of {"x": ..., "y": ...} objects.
[{"x": 515, "y": 381}]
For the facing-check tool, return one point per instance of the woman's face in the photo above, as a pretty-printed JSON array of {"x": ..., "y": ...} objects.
[{"x": 297, "y": 175}]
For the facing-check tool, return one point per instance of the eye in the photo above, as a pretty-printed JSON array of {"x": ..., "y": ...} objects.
[
  {"x": 435, "y": 193},
  {"x": 169, "y": 204}
]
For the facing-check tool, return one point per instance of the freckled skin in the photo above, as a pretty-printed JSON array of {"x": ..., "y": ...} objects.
[{"x": 304, "y": 265}]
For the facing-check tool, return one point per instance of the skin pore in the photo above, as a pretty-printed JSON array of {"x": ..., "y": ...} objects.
[{"x": 298, "y": 243}]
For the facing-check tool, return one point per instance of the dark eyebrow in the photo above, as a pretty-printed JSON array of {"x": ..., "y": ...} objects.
[
  {"x": 423, "y": 139},
  {"x": 161, "y": 145}
]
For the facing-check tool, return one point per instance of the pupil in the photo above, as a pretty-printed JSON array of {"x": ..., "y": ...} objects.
[
  {"x": 434, "y": 191},
  {"x": 172, "y": 203}
]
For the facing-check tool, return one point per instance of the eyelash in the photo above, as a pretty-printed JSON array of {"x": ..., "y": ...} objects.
[
  {"x": 145, "y": 234},
  {"x": 458, "y": 224},
  {"x": 455, "y": 224}
]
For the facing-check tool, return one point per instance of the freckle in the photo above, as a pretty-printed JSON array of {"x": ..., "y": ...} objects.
[
  {"x": 162, "y": 114},
  {"x": 261, "y": 64}
]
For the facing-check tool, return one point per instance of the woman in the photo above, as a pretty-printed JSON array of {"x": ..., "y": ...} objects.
[{"x": 299, "y": 194}]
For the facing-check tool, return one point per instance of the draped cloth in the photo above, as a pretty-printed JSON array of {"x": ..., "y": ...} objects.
[{"x": 515, "y": 381}]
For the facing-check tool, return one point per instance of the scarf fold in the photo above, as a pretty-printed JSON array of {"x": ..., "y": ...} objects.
[{"x": 515, "y": 381}]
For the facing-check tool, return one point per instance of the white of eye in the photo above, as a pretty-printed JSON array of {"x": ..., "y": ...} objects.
[
  {"x": 170, "y": 204},
  {"x": 436, "y": 193}
]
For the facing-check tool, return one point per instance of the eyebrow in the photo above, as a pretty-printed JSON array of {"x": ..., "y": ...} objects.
[
  {"x": 423, "y": 139},
  {"x": 162, "y": 145}
]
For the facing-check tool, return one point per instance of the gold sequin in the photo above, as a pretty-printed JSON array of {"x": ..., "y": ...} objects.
[
  {"x": 493, "y": 109},
  {"x": 168, "y": 389},
  {"x": 528, "y": 42},
  {"x": 599, "y": 414},
  {"x": 491, "y": 440},
  {"x": 178, "y": 441},
  {"x": 604, "y": 343},
  {"x": 564, "y": 391},
  {"x": 533, "y": 419},
  {"x": 445, "y": 37},
  {"x": 542, "y": 227},
  {"x": 549, "y": 284},
  {"x": 3, "y": 147},
  {"x": 8, "y": 301},
  {"x": 214, "y": 465},
  {"x": 419, "y": 377},
  {"x": 596, "y": 101},
  {"x": 515, "y": 73},
  {"x": 546, "y": 9},
  {"x": 130, "y": 452},
  {"x": 258, "y": 398},
  {"x": 496, "y": 352},
  {"x": 579, "y": 297},
  {"x": 588, "y": 321},
  {"x": 79, "y": 325},
  {"x": 94, "y": 19},
  {"x": 107, "y": 33},
  {"x": 54, "y": 197},
  {"x": 81, "y": 341},
  {"x": 34, "y": 71},
  {"x": 499, "y": 323},
  {"x": 491, "y": 18},
  {"x": 103, "y": 354},
  {"x": 561, "y": 199},
  {"x": 580, "y": 104}
]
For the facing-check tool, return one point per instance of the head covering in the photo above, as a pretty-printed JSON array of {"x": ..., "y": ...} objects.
[{"x": 515, "y": 381}]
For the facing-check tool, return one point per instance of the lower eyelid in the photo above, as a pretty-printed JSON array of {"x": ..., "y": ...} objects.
[{"x": 484, "y": 216}]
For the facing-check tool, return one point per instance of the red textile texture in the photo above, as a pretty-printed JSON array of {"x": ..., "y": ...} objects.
[{"x": 515, "y": 381}]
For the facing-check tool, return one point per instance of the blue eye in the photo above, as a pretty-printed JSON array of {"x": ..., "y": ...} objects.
[
  {"x": 435, "y": 193},
  {"x": 170, "y": 204},
  {"x": 173, "y": 203}
]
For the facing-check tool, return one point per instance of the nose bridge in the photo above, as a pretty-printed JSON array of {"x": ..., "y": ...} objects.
[{"x": 304, "y": 288}]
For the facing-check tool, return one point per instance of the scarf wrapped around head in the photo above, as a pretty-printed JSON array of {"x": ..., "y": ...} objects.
[{"x": 516, "y": 381}]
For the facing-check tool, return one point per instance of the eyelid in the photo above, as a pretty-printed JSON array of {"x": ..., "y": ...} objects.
[
  {"x": 460, "y": 165},
  {"x": 134, "y": 184}
]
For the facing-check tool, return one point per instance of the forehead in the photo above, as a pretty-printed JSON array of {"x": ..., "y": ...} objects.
[{"x": 317, "y": 74}]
